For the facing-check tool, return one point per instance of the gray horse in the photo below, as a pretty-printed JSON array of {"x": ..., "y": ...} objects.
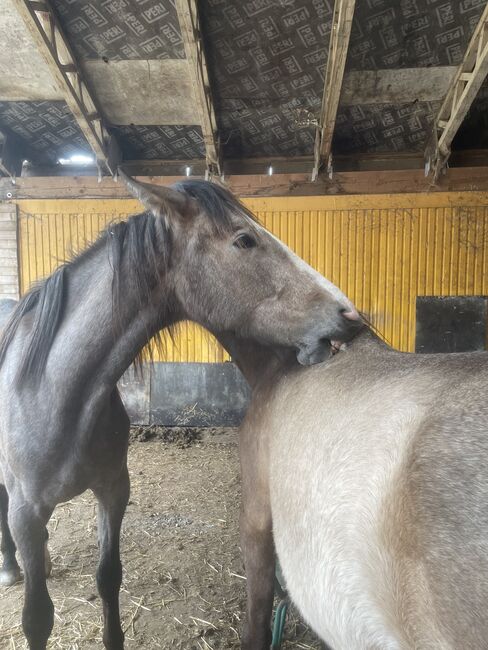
[
  {"x": 196, "y": 254},
  {"x": 368, "y": 472}
]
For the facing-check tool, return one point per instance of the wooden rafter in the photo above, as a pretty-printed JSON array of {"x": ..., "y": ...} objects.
[
  {"x": 336, "y": 63},
  {"x": 192, "y": 38},
  {"x": 461, "y": 94},
  {"x": 53, "y": 45}
]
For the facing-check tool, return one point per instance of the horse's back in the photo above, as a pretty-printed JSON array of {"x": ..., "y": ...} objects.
[
  {"x": 379, "y": 479},
  {"x": 333, "y": 451},
  {"x": 445, "y": 492}
]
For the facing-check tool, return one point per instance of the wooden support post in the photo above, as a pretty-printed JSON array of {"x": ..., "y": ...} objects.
[
  {"x": 336, "y": 63},
  {"x": 192, "y": 38},
  {"x": 461, "y": 94}
]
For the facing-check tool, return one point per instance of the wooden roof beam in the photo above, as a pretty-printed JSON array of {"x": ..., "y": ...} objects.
[
  {"x": 334, "y": 74},
  {"x": 462, "y": 92},
  {"x": 52, "y": 43},
  {"x": 192, "y": 37},
  {"x": 458, "y": 179}
]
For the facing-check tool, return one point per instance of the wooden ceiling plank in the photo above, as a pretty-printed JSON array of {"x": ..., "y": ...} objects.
[{"x": 336, "y": 63}]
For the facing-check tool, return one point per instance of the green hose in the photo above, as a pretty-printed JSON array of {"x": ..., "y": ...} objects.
[{"x": 279, "y": 624}]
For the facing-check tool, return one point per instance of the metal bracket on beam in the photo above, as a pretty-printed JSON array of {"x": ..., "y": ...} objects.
[
  {"x": 461, "y": 94},
  {"x": 334, "y": 74},
  {"x": 190, "y": 29},
  {"x": 44, "y": 26}
]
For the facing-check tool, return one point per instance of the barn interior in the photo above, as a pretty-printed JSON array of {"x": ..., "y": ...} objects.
[{"x": 355, "y": 130}]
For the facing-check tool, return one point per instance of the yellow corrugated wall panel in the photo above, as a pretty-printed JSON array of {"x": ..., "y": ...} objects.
[{"x": 381, "y": 250}]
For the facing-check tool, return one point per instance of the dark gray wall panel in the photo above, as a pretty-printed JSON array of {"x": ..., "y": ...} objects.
[
  {"x": 197, "y": 394},
  {"x": 451, "y": 323}
]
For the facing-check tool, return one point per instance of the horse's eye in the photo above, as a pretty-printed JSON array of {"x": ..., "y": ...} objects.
[{"x": 244, "y": 241}]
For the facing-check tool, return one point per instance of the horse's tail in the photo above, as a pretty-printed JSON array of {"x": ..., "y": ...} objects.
[{"x": 46, "y": 300}]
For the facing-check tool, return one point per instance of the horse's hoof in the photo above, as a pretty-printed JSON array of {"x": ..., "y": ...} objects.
[
  {"x": 9, "y": 577},
  {"x": 47, "y": 561}
]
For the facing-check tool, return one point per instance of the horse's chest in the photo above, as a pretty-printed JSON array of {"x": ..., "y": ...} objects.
[{"x": 328, "y": 486}]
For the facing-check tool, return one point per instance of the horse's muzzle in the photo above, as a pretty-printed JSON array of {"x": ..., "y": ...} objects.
[
  {"x": 320, "y": 345},
  {"x": 309, "y": 355}
]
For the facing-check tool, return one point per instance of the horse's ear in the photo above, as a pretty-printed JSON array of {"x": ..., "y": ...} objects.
[{"x": 162, "y": 201}]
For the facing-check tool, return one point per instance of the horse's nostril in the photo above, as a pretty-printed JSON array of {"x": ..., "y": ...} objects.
[{"x": 350, "y": 314}]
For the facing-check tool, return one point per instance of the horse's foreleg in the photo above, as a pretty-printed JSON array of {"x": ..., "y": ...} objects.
[
  {"x": 28, "y": 526},
  {"x": 112, "y": 501},
  {"x": 10, "y": 571},
  {"x": 258, "y": 549},
  {"x": 256, "y": 540}
]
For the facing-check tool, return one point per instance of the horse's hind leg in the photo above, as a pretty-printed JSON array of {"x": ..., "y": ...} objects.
[
  {"x": 28, "y": 526},
  {"x": 112, "y": 501},
  {"x": 10, "y": 571}
]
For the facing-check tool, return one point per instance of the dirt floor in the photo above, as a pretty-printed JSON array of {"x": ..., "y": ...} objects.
[{"x": 183, "y": 584}]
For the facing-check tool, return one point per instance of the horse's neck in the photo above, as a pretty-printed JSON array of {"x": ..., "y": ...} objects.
[
  {"x": 259, "y": 362},
  {"x": 96, "y": 337},
  {"x": 367, "y": 340},
  {"x": 254, "y": 360}
]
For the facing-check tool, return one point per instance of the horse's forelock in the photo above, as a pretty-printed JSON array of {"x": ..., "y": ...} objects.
[{"x": 220, "y": 205}]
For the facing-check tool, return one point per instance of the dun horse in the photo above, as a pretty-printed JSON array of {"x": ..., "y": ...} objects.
[
  {"x": 196, "y": 254},
  {"x": 369, "y": 473}
]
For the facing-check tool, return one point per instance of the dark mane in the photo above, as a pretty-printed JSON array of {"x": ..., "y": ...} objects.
[
  {"x": 45, "y": 299},
  {"x": 216, "y": 201},
  {"x": 143, "y": 242}
]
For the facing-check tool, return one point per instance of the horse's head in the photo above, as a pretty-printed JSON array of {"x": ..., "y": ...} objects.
[{"x": 228, "y": 273}]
